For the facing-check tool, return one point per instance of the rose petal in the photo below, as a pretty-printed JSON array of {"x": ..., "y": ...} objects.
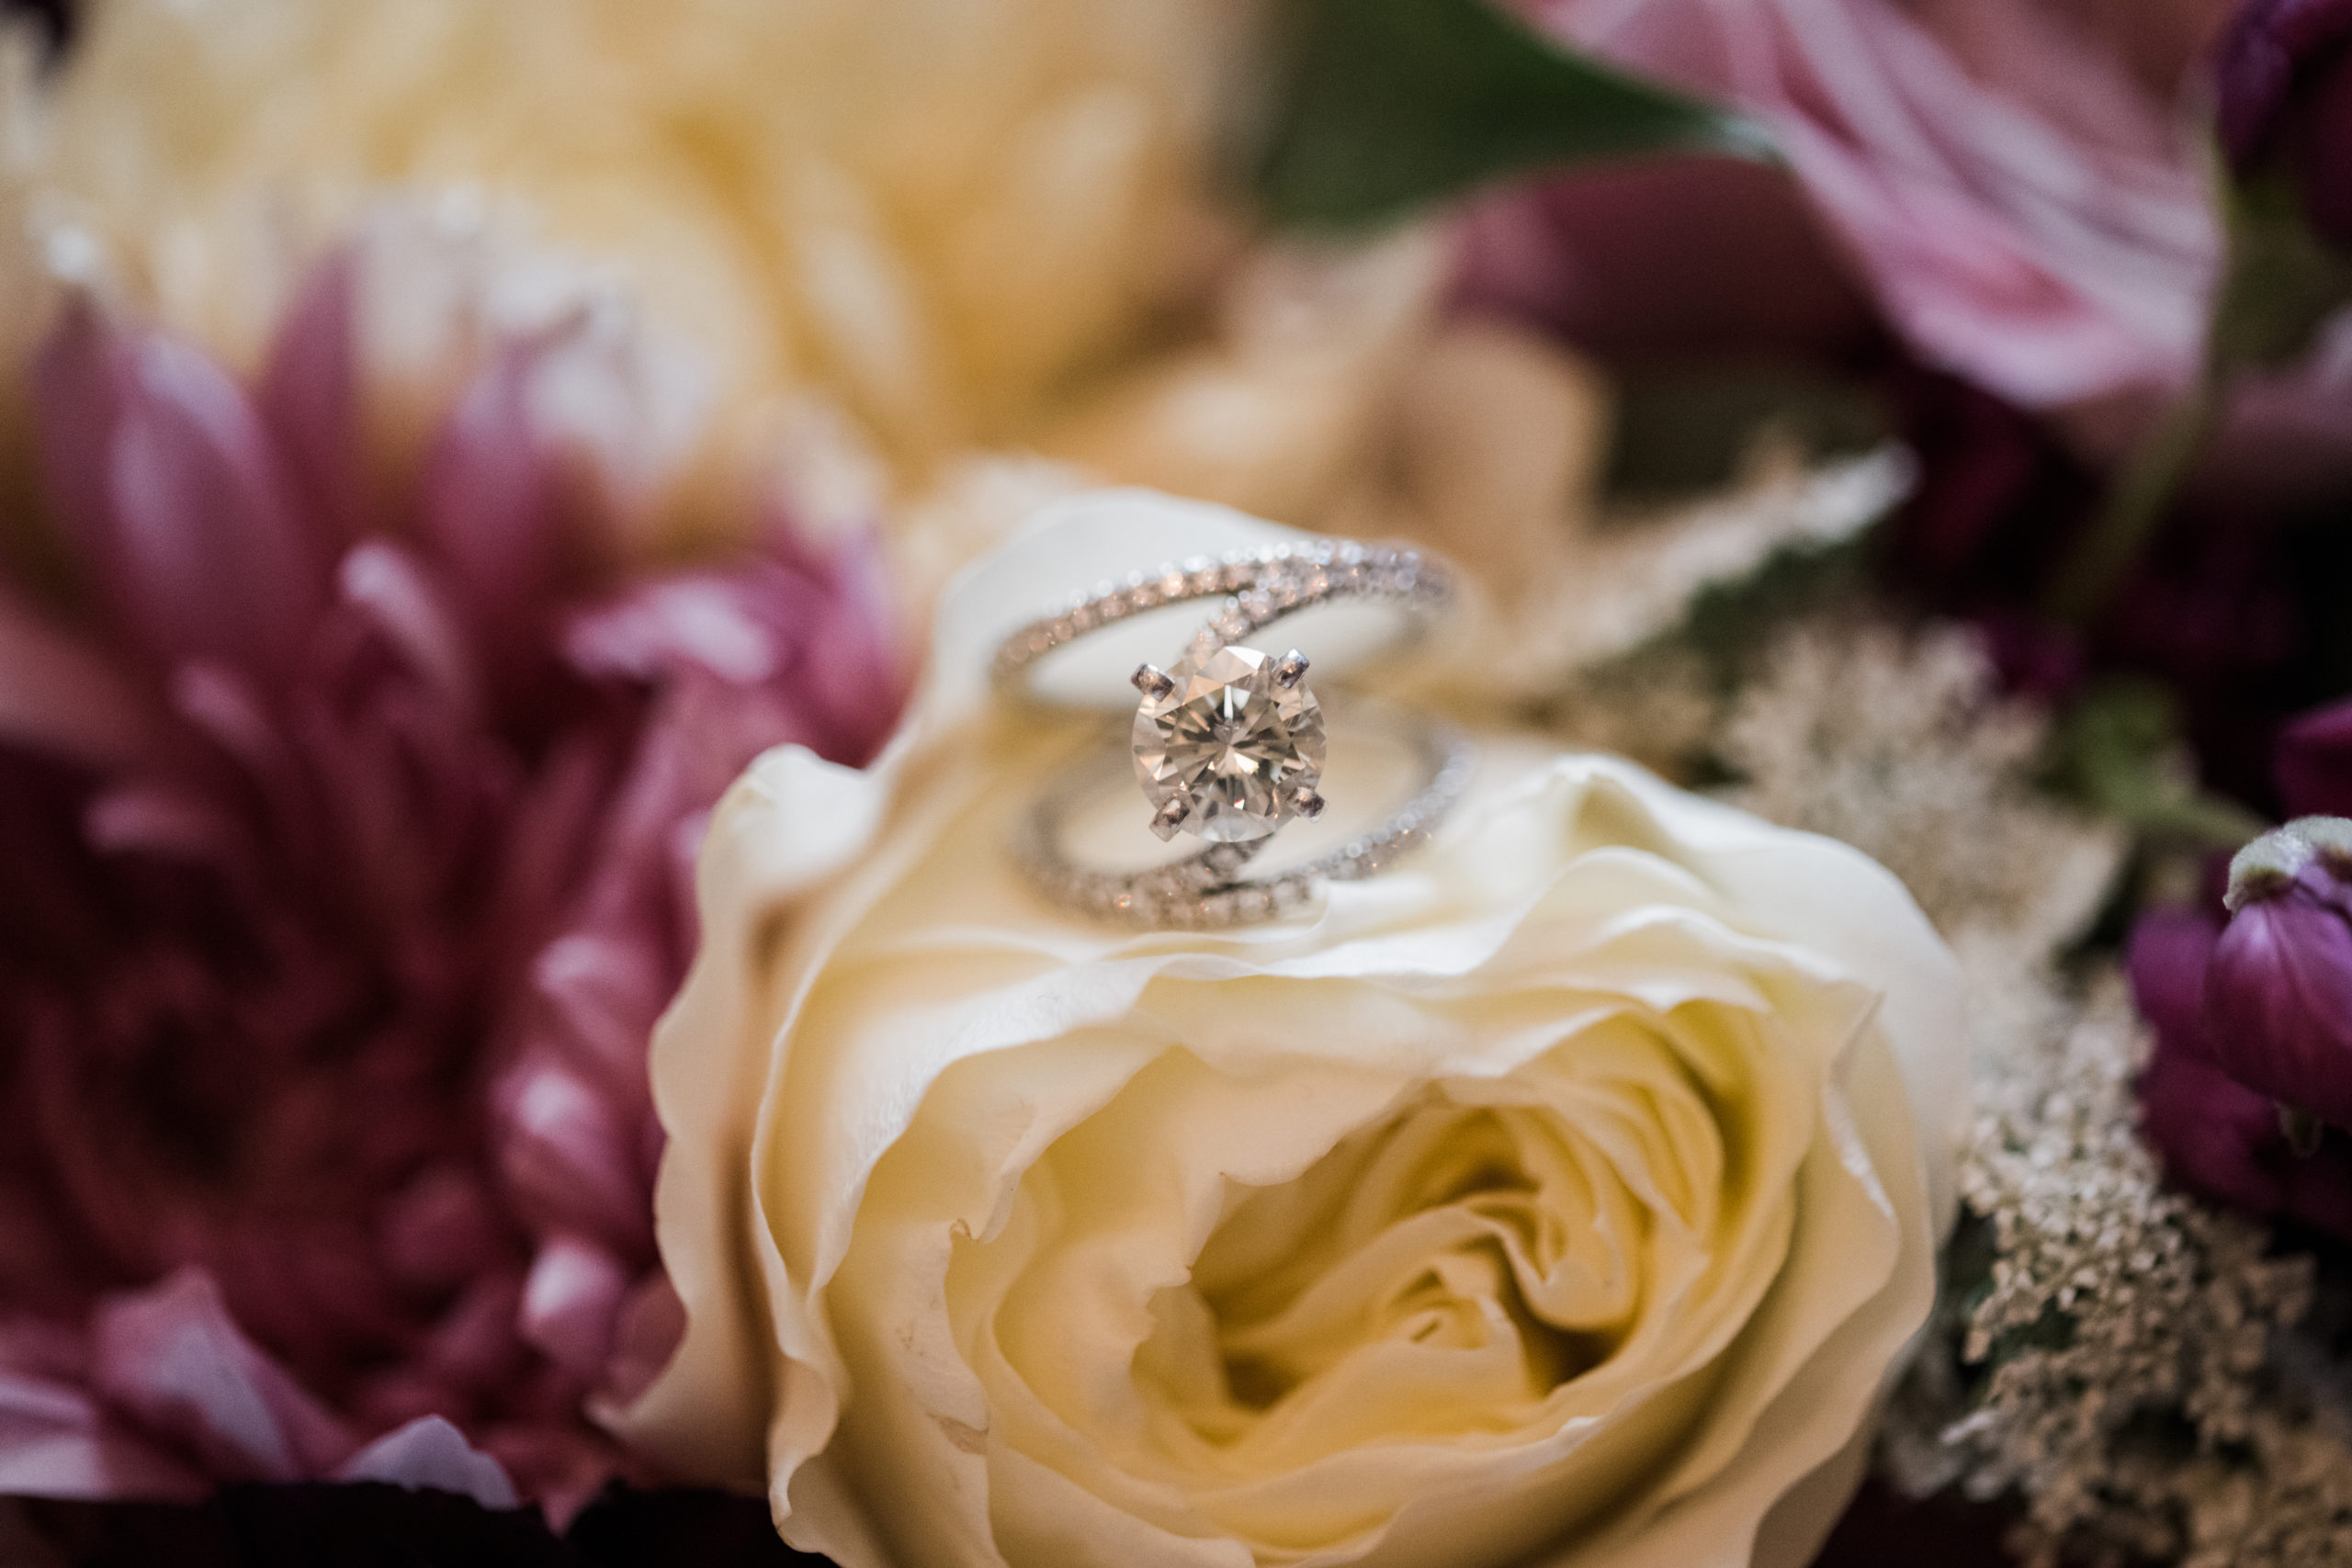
[{"x": 859, "y": 1086}]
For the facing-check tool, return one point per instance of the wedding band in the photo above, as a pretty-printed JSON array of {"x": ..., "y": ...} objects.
[
  {"x": 1206, "y": 891},
  {"x": 1228, "y": 742}
]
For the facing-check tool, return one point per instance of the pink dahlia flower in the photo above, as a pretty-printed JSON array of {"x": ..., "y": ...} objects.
[
  {"x": 2012, "y": 181},
  {"x": 344, "y": 840}
]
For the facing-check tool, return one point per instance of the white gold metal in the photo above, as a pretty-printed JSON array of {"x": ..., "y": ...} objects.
[
  {"x": 1228, "y": 742},
  {"x": 1209, "y": 891},
  {"x": 1257, "y": 587}
]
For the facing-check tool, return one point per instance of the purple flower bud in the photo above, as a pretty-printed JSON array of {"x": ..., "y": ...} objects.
[
  {"x": 2279, "y": 990},
  {"x": 2284, "y": 81},
  {"x": 2215, "y": 1134}
]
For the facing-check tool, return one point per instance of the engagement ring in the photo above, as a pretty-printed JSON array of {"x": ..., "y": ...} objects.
[{"x": 1229, "y": 740}]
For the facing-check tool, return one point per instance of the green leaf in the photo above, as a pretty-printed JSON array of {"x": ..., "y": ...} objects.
[
  {"x": 2120, "y": 751},
  {"x": 1391, "y": 104},
  {"x": 2283, "y": 278}
]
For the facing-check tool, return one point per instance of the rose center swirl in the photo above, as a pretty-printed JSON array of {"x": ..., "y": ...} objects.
[{"x": 1441, "y": 1273}]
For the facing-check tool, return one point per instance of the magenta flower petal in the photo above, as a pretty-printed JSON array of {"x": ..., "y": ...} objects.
[
  {"x": 430, "y": 1453},
  {"x": 646, "y": 1332},
  {"x": 2213, "y": 1133},
  {"x": 604, "y": 992},
  {"x": 2279, "y": 997},
  {"x": 174, "y": 1359},
  {"x": 324, "y": 1009},
  {"x": 309, "y": 398},
  {"x": 440, "y": 1230},
  {"x": 59, "y": 694},
  {"x": 572, "y": 1152},
  {"x": 572, "y": 1302},
  {"x": 176, "y": 497},
  {"x": 491, "y": 512},
  {"x": 389, "y": 587},
  {"x": 2217, "y": 1135},
  {"x": 2169, "y": 951},
  {"x": 702, "y": 620},
  {"x": 57, "y": 1440}
]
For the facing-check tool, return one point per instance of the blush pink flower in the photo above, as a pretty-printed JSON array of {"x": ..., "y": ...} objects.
[
  {"x": 2011, "y": 181},
  {"x": 342, "y": 842}
]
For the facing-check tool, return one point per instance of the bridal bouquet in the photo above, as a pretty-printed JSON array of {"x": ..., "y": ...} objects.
[{"x": 1098, "y": 783}]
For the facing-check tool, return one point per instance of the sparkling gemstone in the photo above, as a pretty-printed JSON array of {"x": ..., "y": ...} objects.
[{"x": 1229, "y": 741}]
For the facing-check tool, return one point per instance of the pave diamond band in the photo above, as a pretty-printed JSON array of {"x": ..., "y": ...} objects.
[
  {"x": 1227, "y": 743},
  {"x": 1208, "y": 890},
  {"x": 1258, "y": 587}
]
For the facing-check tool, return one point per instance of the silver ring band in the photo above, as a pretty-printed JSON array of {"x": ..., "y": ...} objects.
[
  {"x": 1259, "y": 587},
  {"x": 1206, "y": 891}
]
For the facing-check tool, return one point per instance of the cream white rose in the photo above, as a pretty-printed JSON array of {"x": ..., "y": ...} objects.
[{"x": 1563, "y": 1196}]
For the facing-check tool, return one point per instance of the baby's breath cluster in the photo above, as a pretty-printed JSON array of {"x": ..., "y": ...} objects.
[
  {"x": 2105, "y": 1357},
  {"x": 1895, "y": 741}
]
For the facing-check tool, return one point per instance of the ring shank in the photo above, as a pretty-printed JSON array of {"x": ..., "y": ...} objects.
[
  {"x": 1207, "y": 891},
  {"x": 1256, "y": 588}
]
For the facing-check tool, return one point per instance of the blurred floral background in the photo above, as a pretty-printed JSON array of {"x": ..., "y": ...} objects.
[{"x": 441, "y": 444}]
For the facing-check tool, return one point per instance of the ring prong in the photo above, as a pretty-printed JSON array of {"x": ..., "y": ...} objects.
[
  {"x": 1292, "y": 668},
  {"x": 1306, "y": 803},
  {"x": 1151, "y": 680},
  {"x": 1168, "y": 817}
]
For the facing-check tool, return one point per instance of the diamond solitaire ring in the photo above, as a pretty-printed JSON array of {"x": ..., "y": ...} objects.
[{"x": 1228, "y": 742}]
